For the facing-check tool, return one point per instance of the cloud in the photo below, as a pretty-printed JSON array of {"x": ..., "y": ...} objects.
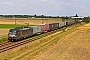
[
  {"x": 5, "y": 3},
  {"x": 47, "y": 7},
  {"x": 43, "y": 0},
  {"x": 52, "y": 1},
  {"x": 83, "y": 9}
]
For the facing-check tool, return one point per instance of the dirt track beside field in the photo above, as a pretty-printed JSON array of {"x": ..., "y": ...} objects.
[{"x": 4, "y": 31}]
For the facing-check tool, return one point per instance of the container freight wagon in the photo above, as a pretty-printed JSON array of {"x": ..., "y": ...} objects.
[
  {"x": 44, "y": 28},
  {"x": 20, "y": 33},
  {"x": 68, "y": 23},
  {"x": 36, "y": 29},
  {"x": 56, "y": 25},
  {"x": 47, "y": 27},
  {"x": 61, "y": 24},
  {"x": 51, "y": 26}
]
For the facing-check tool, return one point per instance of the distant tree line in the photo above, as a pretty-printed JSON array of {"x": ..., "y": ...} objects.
[
  {"x": 27, "y": 16},
  {"x": 86, "y": 19},
  {"x": 32, "y": 16}
]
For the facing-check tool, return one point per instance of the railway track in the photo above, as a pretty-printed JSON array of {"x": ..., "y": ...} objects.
[{"x": 11, "y": 45}]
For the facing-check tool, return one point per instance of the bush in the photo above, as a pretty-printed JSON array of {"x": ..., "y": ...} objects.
[
  {"x": 3, "y": 38},
  {"x": 87, "y": 19}
]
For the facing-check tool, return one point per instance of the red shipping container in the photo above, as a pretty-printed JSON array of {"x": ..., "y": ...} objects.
[
  {"x": 46, "y": 27},
  {"x": 42, "y": 28}
]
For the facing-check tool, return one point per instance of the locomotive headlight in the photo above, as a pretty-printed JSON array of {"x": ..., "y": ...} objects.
[{"x": 13, "y": 36}]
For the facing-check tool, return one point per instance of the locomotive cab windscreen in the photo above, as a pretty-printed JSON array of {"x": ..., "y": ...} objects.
[{"x": 12, "y": 33}]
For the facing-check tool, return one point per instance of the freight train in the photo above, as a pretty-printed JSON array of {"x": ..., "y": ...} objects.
[{"x": 20, "y": 33}]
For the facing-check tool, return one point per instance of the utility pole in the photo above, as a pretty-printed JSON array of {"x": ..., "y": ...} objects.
[
  {"x": 14, "y": 21},
  {"x": 42, "y": 18}
]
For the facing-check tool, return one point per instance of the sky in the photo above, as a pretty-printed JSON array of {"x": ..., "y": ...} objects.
[{"x": 46, "y": 7}]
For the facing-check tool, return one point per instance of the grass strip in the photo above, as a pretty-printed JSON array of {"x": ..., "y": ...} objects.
[{"x": 12, "y": 25}]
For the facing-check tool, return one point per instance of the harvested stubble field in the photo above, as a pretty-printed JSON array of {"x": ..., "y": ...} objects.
[
  {"x": 32, "y": 21},
  {"x": 75, "y": 46}
]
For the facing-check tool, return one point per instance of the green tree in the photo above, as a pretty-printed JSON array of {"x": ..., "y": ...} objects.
[{"x": 87, "y": 19}]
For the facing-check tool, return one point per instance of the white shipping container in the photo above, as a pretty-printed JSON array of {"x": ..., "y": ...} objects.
[
  {"x": 61, "y": 24},
  {"x": 36, "y": 29}
]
